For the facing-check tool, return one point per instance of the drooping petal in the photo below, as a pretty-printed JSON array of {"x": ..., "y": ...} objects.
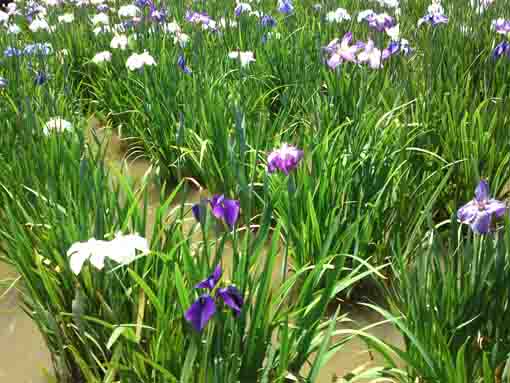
[
  {"x": 231, "y": 211},
  {"x": 232, "y": 298},
  {"x": 482, "y": 223},
  {"x": 216, "y": 203},
  {"x": 482, "y": 191},
  {"x": 495, "y": 207},
  {"x": 77, "y": 260},
  {"x": 468, "y": 212},
  {"x": 200, "y": 312}
]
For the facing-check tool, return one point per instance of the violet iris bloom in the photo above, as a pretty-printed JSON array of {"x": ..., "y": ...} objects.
[
  {"x": 181, "y": 62},
  {"x": 158, "y": 15},
  {"x": 211, "y": 281},
  {"x": 12, "y": 52},
  {"x": 433, "y": 19},
  {"x": 342, "y": 51},
  {"x": 268, "y": 21},
  {"x": 203, "y": 309},
  {"x": 225, "y": 209},
  {"x": 200, "y": 312},
  {"x": 40, "y": 78},
  {"x": 285, "y": 6},
  {"x": 242, "y": 8},
  {"x": 501, "y": 26},
  {"x": 232, "y": 298},
  {"x": 284, "y": 159},
  {"x": 222, "y": 208},
  {"x": 201, "y": 18},
  {"x": 371, "y": 55},
  {"x": 380, "y": 21},
  {"x": 479, "y": 212},
  {"x": 501, "y": 49}
]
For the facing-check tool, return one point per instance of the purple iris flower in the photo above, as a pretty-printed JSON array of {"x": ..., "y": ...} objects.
[
  {"x": 43, "y": 49},
  {"x": 3, "y": 82},
  {"x": 200, "y": 312},
  {"x": 380, "y": 22},
  {"x": 268, "y": 21},
  {"x": 158, "y": 15},
  {"x": 284, "y": 159},
  {"x": 242, "y": 8},
  {"x": 479, "y": 212},
  {"x": 211, "y": 281},
  {"x": 40, "y": 78},
  {"x": 222, "y": 208},
  {"x": 501, "y": 49},
  {"x": 433, "y": 19},
  {"x": 501, "y": 26},
  {"x": 225, "y": 209},
  {"x": 341, "y": 51},
  {"x": 395, "y": 47},
  {"x": 285, "y": 6},
  {"x": 12, "y": 52},
  {"x": 102, "y": 8},
  {"x": 181, "y": 62},
  {"x": 232, "y": 298},
  {"x": 371, "y": 55},
  {"x": 143, "y": 3}
]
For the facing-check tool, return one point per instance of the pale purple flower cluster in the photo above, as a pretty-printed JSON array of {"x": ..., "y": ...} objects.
[
  {"x": 201, "y": 19},
  {"x": 378, "y": 21},
  {"x": 284, "y": 159},
  {"x": 501, "y": 26},
  {"x": 341, "y": 51},
  {"x": 479, "y": 212},
  {"x": 435, "y": 15}
]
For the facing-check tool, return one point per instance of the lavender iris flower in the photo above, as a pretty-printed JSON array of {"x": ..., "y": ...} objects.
[
  {"x": 341, "y": 51},
  {"x": 433, "y": 19},
  {"x": 225, "y": 209},
  {"x": 268, "y": 21},
  {"x": 284, "y": 159},
  {"x": 380, "y": 22},
  {"x": 222, "y": 208},
  {"x": 285, "y": 6},
  {"x": 395, "y": 47},
  {"x": 200, "y": 312},
  {"x": 232, "y": 298},
  {"x": 501, "y": 49},
  {"x": 40, "y": 78},
  {"x": 102, "y": 8},
  {"x": 143, "y": 3},
  {"x": 158, "y": 15},
  {"x": 43, "y": 49},
  {"x": 479, "y": 212},
  {"x": 211, "y": 281},
  {"x": 242, "y": 8},
  {"x": 203, "y": 309},
  {"x": 501, "y": 26},
  {"x": 181, "y": 62},
  {"x": 371, "y": 55},
  {"x": 12, "y": 52}
]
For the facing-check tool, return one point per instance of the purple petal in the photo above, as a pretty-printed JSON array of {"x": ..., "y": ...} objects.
[
  {"x": 482, "y": 191},
  {"x": 482, "y": 223},
  {"x": 495, "y": 207},
  {"x": 347, "y": 38},
  {"x": 333, "y": 62},
  {"x": 217, "y": 206},
  {"x": 211, "y": 281},
  {"x": 197, "y": 211},
  {"x": 231, "y": 211},
  {"x": 200, "y": 312},
  {"x": 468, "y": 212},
  {"x": 232, "y": 298}
]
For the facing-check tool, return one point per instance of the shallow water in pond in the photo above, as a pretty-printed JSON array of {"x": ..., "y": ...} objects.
[{"x": 24, "y": 357}]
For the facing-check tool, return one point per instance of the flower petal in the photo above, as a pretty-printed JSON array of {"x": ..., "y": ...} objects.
[
  {"x": 231, "y": 211},
  {"x": 200, "y": 312},
  {"x": 495, "y": 207},
  {"x": 468, "y": 212},
  {"x": 482, "y": 191},
  {"x": 482, "y": 223},
  {"x": 232, "y": 298}
]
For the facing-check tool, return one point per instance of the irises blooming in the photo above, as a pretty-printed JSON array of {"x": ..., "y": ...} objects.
[
  {"x": 380, "y": 22},
  {"x": 435, "y": 15},
  {"x": 245, "y": 58},
  {"x": 337, "y": 16},
  {"x": 122, "y": 249},
  {"x": 501, "y": 26},
  {"x": 138, "y": 61},
  {"x": 181, "y": 62},
  {"x": 479, "y": 212},
  {"x": 285, "y": 6},
  {"x": 203, "y": 309},
  {"x": 201, "y": 19},
  {"x": 340, "y": 51},
  {"x": 102, "y": 57},
  {"x": 285, "y": 159},
  {"x": 222, "y": 208},
  {"x": 56, "y": 125}
]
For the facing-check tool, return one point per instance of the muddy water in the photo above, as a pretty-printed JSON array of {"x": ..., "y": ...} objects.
[{"x": 24, "y": 357}]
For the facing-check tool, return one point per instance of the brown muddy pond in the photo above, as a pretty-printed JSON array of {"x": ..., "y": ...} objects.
[{"x": 24, "y": 357}]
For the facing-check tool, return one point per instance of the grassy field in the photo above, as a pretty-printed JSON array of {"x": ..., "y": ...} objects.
[{"x": 331, "y": 155}]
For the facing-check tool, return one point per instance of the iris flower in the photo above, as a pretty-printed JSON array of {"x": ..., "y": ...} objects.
[
  {"x": 380, "y": 22},
  {"x": 267, "y": 21},
  {"x": 479, "y": 212},
  {"x": 435, "y": 15},
  {"x": 337, "y": 16},
  {"x": 501, "y": 26},
  {"x": 501, "y": 49},
  {"x": 242, "y": 8},
  {"x": 181, "y": 62},
  {"x": 245, "y": 58},
  {"x": 102, "y": 57},
  {"x": 222, "y": 208},
  {"x": 138, "y": 61},
  {"x": 341, "y": 51},
  {"x": 284, "y": 159},
  {"x": 203, "y": 309},
  {"x": 285, "y": 6},
  {"x": 371, "y": 55}
]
